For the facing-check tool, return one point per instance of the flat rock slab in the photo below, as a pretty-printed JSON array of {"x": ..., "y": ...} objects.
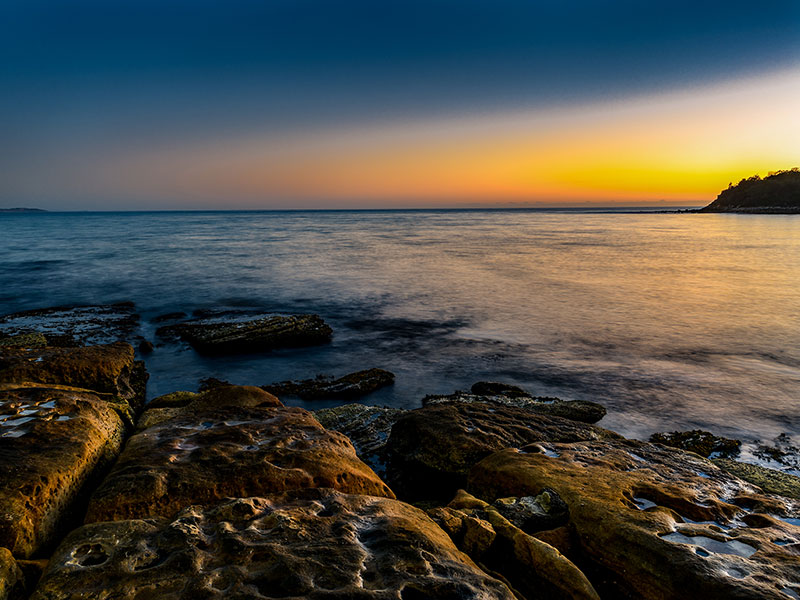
[
  {"x": 53, "y": 442},
  {"x": 312, "y": 544},
  {"x": 224, "y": 335},
  {"x": 350, "y": 386},
  {"x": 658, "y": 522},
  {"x": 769, "y": 480},
  {"x": 232, "y": 441},
  {"x": 575, "y": 410},
  {"x": 108, "y": 369},
  {"x": 75, "y": 325},
  {"x": 431, "y": 449},
  {"x": 367, "y": 427}
]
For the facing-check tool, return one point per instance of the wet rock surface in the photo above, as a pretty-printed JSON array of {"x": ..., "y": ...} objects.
[
  {"x": 367, "y": 427},
  {"x": 310, "y": 544},
  {"x": 231, "y": 441},
  {"x": 512, "y": 395},
  {"x": 700, "y": 442},
  {"x": 431, "y": 450},
  {"x": 53, "y": 444},
  {"x": 654, "y": 522},
  {"x": 769, "y": 480},
  {"x": 75, "y": 325},
  {"x": 108, "y": 369},
  {"x": 347, "y": 387},
  {"x": 229, "y": 335}
]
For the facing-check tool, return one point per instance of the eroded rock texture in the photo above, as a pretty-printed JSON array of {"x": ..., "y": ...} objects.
[
  {"x": 231, "y": 441},
  {"x": 432, "y": 449},
  {"x": 53, "y": 442},
  {"x": 226, "y": 335},
  {"x": 309, "y": 544},
  {"x": 12, "y": 582},
  {"x": 657, "y": 523},
  {"x": 108, "y": 369}
]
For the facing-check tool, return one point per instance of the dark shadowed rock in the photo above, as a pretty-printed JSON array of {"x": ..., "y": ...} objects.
[
  {"x": 311, "y": 544},
  {"x": 108, "y": 369},
  {"x": 367, "y": 427},
  {"x": 146, "y": 347},
  {"x": 348, "y": 387},
  {"x": 575, "y": 410},
  {"x": 431, "y": 449},
  {"x": 76, "y": 325},
  {"x": 654, "y": 522},
  {"x": 533, "y": 567},
  {"x": 700, "y": 442},
  {"x": 165, "y": 318},
  {"x": 53, "y": 442},
  {"x": 495, "y": 388},
  {"x": 229, "y": 336},
  {"x": 228, "y": 442},
  {"x": 12, "y": 581}
]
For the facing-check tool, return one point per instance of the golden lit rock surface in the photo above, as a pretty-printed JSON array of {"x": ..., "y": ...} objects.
[
  {"x": 306, "y": 544},
  {"x": 232, "y": 441}
]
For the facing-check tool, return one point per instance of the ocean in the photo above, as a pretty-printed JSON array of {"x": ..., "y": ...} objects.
[{"x": 672, "y": 321}]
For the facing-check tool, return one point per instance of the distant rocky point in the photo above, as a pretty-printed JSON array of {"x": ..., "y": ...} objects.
[
  {"x": 21, "y": 210},
  {"x": 777, "y": 193}
]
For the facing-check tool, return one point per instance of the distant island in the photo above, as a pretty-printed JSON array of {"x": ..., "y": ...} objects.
[
  {"x": 777, "y": 193},
  {"x": 21, "y": 210}
]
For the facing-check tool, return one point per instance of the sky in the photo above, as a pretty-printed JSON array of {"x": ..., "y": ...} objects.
[{"x": 166, "y": 104}]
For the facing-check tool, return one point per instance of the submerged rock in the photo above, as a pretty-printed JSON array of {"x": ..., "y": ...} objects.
[
  {"x": 431, "y": 450},
  {"x": 657, "y": 523},
  {"x": 575, "y": 410},
  {"x": 225, "y": 335},
  {"x": 367, "y": 427},
  {"x": 53, "y": 442},
  {"x": 75, "y": 325},
  {"x": 496, "y": 388},
  {"x": 228, "y": 442},
  {"x": 309, "y": 544},
  {"x": 348, "y": 387},
  {"x": 700, "y": 442},
  {"x": 108, "y": 369}
]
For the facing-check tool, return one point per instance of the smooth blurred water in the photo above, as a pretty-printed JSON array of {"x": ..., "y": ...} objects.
[{"x": 673, "y": 321}]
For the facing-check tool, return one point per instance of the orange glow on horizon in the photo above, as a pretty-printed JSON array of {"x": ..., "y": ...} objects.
[{"x": 680, "y": 148}]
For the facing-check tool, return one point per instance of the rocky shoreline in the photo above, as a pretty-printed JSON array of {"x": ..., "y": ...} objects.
[{"x": 228, "y": 493}]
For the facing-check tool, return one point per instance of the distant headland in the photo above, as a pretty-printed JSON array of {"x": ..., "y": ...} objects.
[
  {"x": 22, "y": 210},
  {"x": 777, "y": 193}
]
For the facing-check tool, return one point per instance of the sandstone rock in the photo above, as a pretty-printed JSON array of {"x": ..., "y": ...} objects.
[
  {"x": 431, "y": 449},
  {"x": 12, "y": 581},
  {"x": 367, "y": 427},
  {"x": 226, "y": 336},
  {"x": 108, "y": 370},
  {"x": 769, "y": 480},
  {"x": 76, "y": 325},
  {"x": 24, "y": 340},
  {"x": 534, "y": 568},
  {"x": 53, "y": 444},
  {"x": 660, "y": 523},
  {"x": 575, "y": 410},
  {"x": 350, "y": 386},
  {"x": 309, "y": 544},
  {"x": 700, "y": 442},
  {"x": 228, "y": 442}
]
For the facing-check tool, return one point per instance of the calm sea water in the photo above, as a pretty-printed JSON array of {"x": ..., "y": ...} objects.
[{"x": 672, "y": 321}]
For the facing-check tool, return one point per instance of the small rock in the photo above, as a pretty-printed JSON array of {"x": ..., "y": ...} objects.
[
  {"x": 173, "y": 316},
  {"x": 700, "y": 442},
  {"x": 210, "y": 383},
  {"x": 494, "y": 388},
  {"x": 348, "y": 387},
  {"x": 146, "y": 347},
  {"x": 230, "y": 336}
]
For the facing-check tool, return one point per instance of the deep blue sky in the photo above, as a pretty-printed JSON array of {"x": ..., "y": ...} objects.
[{"x": 88, "y": 77}]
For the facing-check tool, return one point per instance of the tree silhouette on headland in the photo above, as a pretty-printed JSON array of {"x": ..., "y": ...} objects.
[{"x": 779, "y": 191}]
